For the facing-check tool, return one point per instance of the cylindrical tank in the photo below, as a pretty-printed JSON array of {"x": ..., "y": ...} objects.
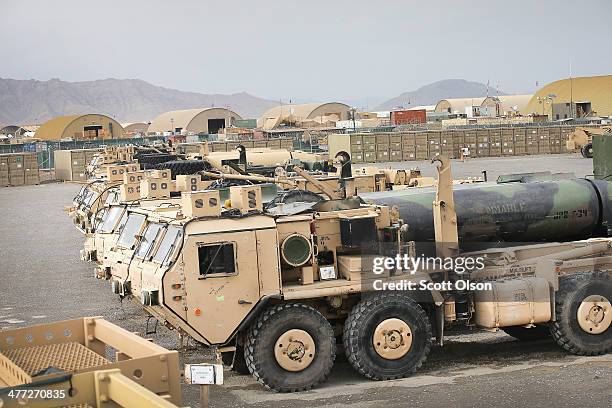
[{"x": 511, "y": 212}]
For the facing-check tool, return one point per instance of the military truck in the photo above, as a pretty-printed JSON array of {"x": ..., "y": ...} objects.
[
  {"x": 279, "y": 288},
  {"x": 582, "y": 138}
]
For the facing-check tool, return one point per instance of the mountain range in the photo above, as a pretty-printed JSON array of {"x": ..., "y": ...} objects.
[
  {"x": 133, "y": 100},
  {"x": 430, "y": 94},
  {"x": 126, "y": 100}
]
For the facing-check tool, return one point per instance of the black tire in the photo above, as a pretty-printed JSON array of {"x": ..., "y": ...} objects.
[
  {"x": 359, "y": 329},
  {"x": 566, "y": 330},
  {"x": 154, "y": 158},
  {"x": 235, "y": 360},
  {"x": 263, "y": 335},
  {"x": 527, "y": 334},
  {"x": 178, "y": 167},
  {"x": 587, "y": 151}
]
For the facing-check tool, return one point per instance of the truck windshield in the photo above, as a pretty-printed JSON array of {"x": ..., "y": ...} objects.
[
  {"x": 79, "y": 197},
  {"x": 127, "y": 239},
  {"x": 168, "y": 245},
  {"x": 89, "y": 198},
  {"x": 112, "y": 197},
  {"x": 110, "y": 219},
  {"x": 148, "y": 239}
]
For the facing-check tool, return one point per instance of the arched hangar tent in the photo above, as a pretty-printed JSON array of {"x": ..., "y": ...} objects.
[
  {"x": 506, "y": 104},
  {"x": 193, "y": 121},
  {"x": 135, "y": 128},
  {"x": 457, "y": 105},
  {"x": 80, "y": 127},
  {"x": 310, "y": 113},
  {"x": 591, "y": 92}
]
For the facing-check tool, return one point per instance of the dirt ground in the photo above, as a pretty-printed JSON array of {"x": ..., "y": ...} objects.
[{"x": 43, "y": 280}]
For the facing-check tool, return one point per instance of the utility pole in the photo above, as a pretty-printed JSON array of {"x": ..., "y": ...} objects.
[{"x": 571, "y": 90}]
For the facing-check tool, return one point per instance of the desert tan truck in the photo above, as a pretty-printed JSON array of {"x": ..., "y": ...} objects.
[
  {"x": 582, "y": 139},
  {"x": 279, "y": 288}
]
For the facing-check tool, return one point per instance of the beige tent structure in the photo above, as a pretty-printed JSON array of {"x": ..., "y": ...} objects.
[
  {"x": 307, "y": 115},
  {"x": 193, "y": 121},
  {"x": 596, "y": 90},
  {"x": 457, "y": 105},
  {"x": 80, "y": 127},
  {"x": 135, "y": 128},
  {"x": 506, "y": 105}
]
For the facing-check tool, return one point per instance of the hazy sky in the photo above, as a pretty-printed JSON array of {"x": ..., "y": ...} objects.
[{"x": 312, "y": 49}]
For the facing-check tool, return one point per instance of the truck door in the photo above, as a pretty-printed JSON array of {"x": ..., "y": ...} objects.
[{"x": 222, "y": 283}]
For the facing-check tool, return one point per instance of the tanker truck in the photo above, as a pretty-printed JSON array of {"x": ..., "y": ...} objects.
[
  {"x": 279, "y": 289},
  {"x": 515, "y": 209}
]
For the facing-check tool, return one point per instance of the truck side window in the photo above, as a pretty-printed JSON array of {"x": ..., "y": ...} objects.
[
  {"x": 134, "y": 223},
  {"x": 148, "y": 239},
  {"x": 168, "y": 245},
  {"x": 216, "y": 259},
  {"x": 109, "y": 220}
]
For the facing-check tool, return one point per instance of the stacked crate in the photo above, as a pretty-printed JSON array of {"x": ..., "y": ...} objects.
[
  {"x": 369, "y": 148},
  {"x": 520, "y": 141},
  {"x": 395, "y": 147},
  {"x": 458, "y": 142},
  {"x": 507, "y": 142},
  {"x": 16, "y": 169},
  {"x": 273, "y": 144},
  {"x": 532, "y": 141},
  {"x": 470, "y": 138},
  {"x": 483, "y": 146},
  {"x": 70, "y": 165},
  {"x": 4, "y": 170},
  {"x": 495, "y": 143},
  {"x": 554, "y": 137},
  {"x": 433, "y": 144},
  {"x": 286, "y": 143},
  {"x": 409, "y": 146},
  {"x": 382, "y": 147},
  {"x": 446, "y": 144},
  {"x": 543, "y": 141},
  {"x": 565, "y": 132},
  {"x": 421, "y": 146},
  {"x": 228, "y": 146},
  {"x": 30, "y": 163},
  {"x": 356, "y": 147}
]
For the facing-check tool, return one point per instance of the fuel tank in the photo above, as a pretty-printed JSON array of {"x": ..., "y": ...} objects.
[{"x": 557, "y": 210}]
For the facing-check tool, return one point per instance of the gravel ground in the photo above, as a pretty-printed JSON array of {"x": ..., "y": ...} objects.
[{"x": 42, "y": 280}]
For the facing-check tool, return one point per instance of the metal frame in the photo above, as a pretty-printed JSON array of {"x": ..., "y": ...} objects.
[{"x": 152, "y": 366}]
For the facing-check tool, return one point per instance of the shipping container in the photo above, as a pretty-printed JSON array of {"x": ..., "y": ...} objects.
[{"x": 405, "y": 117}]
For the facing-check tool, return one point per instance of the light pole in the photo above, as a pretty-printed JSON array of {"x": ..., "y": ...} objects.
[
  {"x": 353, "y": 110},
  {"x": 551, "y": 97},
  {"x": 172, "y": 126}
]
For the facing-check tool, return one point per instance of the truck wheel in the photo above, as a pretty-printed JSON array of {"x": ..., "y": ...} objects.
[
  {"x": 387, "y": 336},
  {"x": 584, "y": 313},
  {"x": 527, "y": 334},
  {"x": 587, "y": 151},
  {"x": 235, "y": 360},
  {"x": 290, "y": 347}
]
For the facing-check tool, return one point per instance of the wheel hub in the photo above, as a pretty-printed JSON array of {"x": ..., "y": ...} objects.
[
  {"x": 294, "y": 350},
  {"x": 392, "y": 339},
  {"x": 595, "y": 314}
]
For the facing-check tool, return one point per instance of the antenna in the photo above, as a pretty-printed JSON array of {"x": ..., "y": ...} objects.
[{"x": 571, "y": 88}]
